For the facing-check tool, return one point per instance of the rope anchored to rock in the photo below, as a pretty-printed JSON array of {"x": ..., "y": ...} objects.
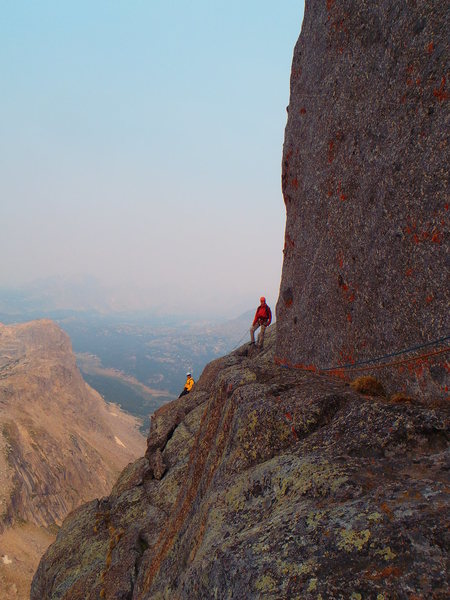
[{"x": 369, "y": 363}]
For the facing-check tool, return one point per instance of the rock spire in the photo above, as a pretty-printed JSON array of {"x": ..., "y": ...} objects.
[{"x": 365, "y": 183}]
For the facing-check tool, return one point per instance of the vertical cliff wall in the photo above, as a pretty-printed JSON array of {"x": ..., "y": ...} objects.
[{"x": 365, "y": 186}]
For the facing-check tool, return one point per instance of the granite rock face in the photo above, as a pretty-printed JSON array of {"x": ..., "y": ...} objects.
[
  {"x": 365, "y": 183},
  {"x": 279, "y": 485}
]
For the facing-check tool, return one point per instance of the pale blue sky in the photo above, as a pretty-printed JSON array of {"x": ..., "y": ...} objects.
[{"x": 140, "y": 142}]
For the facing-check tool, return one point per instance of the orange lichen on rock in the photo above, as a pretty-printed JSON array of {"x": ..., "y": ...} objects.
[
  {"x": 303, "y": 367},
  {"x": 384, "y": 573},
  {"x": 440, "y": 93},
  {"x": 437, "y": 237},
  {"x": 288, "y": 243},
  {"x": 340, "y": 192},
  {"x": 347, "y": 356},
  {"x": 338, "y": 373},
  {"x": 387, "y": 510},
  {"x": 428, "y": 232},
  {"x": 348, "y": 290},
  {"x": 331, "y": 153}
]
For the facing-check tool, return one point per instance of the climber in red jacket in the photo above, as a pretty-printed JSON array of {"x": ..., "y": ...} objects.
[{"x": 263, "y": 318}]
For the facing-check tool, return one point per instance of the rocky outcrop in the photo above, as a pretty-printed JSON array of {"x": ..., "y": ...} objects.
[
  {"x": 278, "y": 484},
  {"x": 60, "y": 444},
  {"x": 365, "y": 183}
]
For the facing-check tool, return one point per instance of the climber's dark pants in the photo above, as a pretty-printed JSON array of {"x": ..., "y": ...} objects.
[{"x": 253, "y": 328}]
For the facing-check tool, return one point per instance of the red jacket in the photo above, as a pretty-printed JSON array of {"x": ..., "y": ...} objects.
[{"x": 264, "y": 314}]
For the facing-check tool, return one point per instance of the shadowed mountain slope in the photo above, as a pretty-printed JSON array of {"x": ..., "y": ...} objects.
[{"x": 61, "y": 445}]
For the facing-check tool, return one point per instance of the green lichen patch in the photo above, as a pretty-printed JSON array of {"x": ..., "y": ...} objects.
[
  {"x": 266, "y": 583},
  {"x": 386, "y": 553},
  {"x": 353, "y": 540},
  {"x": 312, "y": 585},
  {"x": 314, "y": 518},
  {"x": 292, "y": 569}
]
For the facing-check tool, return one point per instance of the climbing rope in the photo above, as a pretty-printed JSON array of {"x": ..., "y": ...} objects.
[
  {"x": 356, "y": 366},
  {"x": 399, "y": 353},
  {"x": 240, "y": 341},
  {"x": 404, "y": 361}
]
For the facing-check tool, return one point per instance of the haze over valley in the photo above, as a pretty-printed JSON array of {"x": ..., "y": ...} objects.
[{"x": 136, "y": 359}]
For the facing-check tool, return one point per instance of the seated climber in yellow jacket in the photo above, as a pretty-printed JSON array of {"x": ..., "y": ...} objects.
[{"x": 188, "y": 385}]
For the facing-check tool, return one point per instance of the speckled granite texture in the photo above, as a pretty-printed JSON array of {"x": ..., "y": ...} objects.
[
  {"x": 279, "y": 485},
  {"x": 365, "y": 176}
]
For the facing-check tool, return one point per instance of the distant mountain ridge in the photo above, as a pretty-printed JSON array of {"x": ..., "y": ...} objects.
[
  {"x": 115, "y": 349},
  {"x": 65, "y": 294}
]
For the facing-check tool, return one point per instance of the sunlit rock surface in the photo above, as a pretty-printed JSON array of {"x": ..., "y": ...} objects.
[{"x": 365, "y": 183}]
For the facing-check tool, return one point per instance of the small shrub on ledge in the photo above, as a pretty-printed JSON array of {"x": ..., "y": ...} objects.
[
  {"x": 368, "y": 385},
  {"x": 400, "y": 398}
]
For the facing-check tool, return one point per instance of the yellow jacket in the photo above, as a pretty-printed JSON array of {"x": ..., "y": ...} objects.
[{"x": 189, "y": 384}]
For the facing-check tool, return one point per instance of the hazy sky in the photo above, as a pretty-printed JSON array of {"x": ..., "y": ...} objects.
[{"x": 140, "y": 143}]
